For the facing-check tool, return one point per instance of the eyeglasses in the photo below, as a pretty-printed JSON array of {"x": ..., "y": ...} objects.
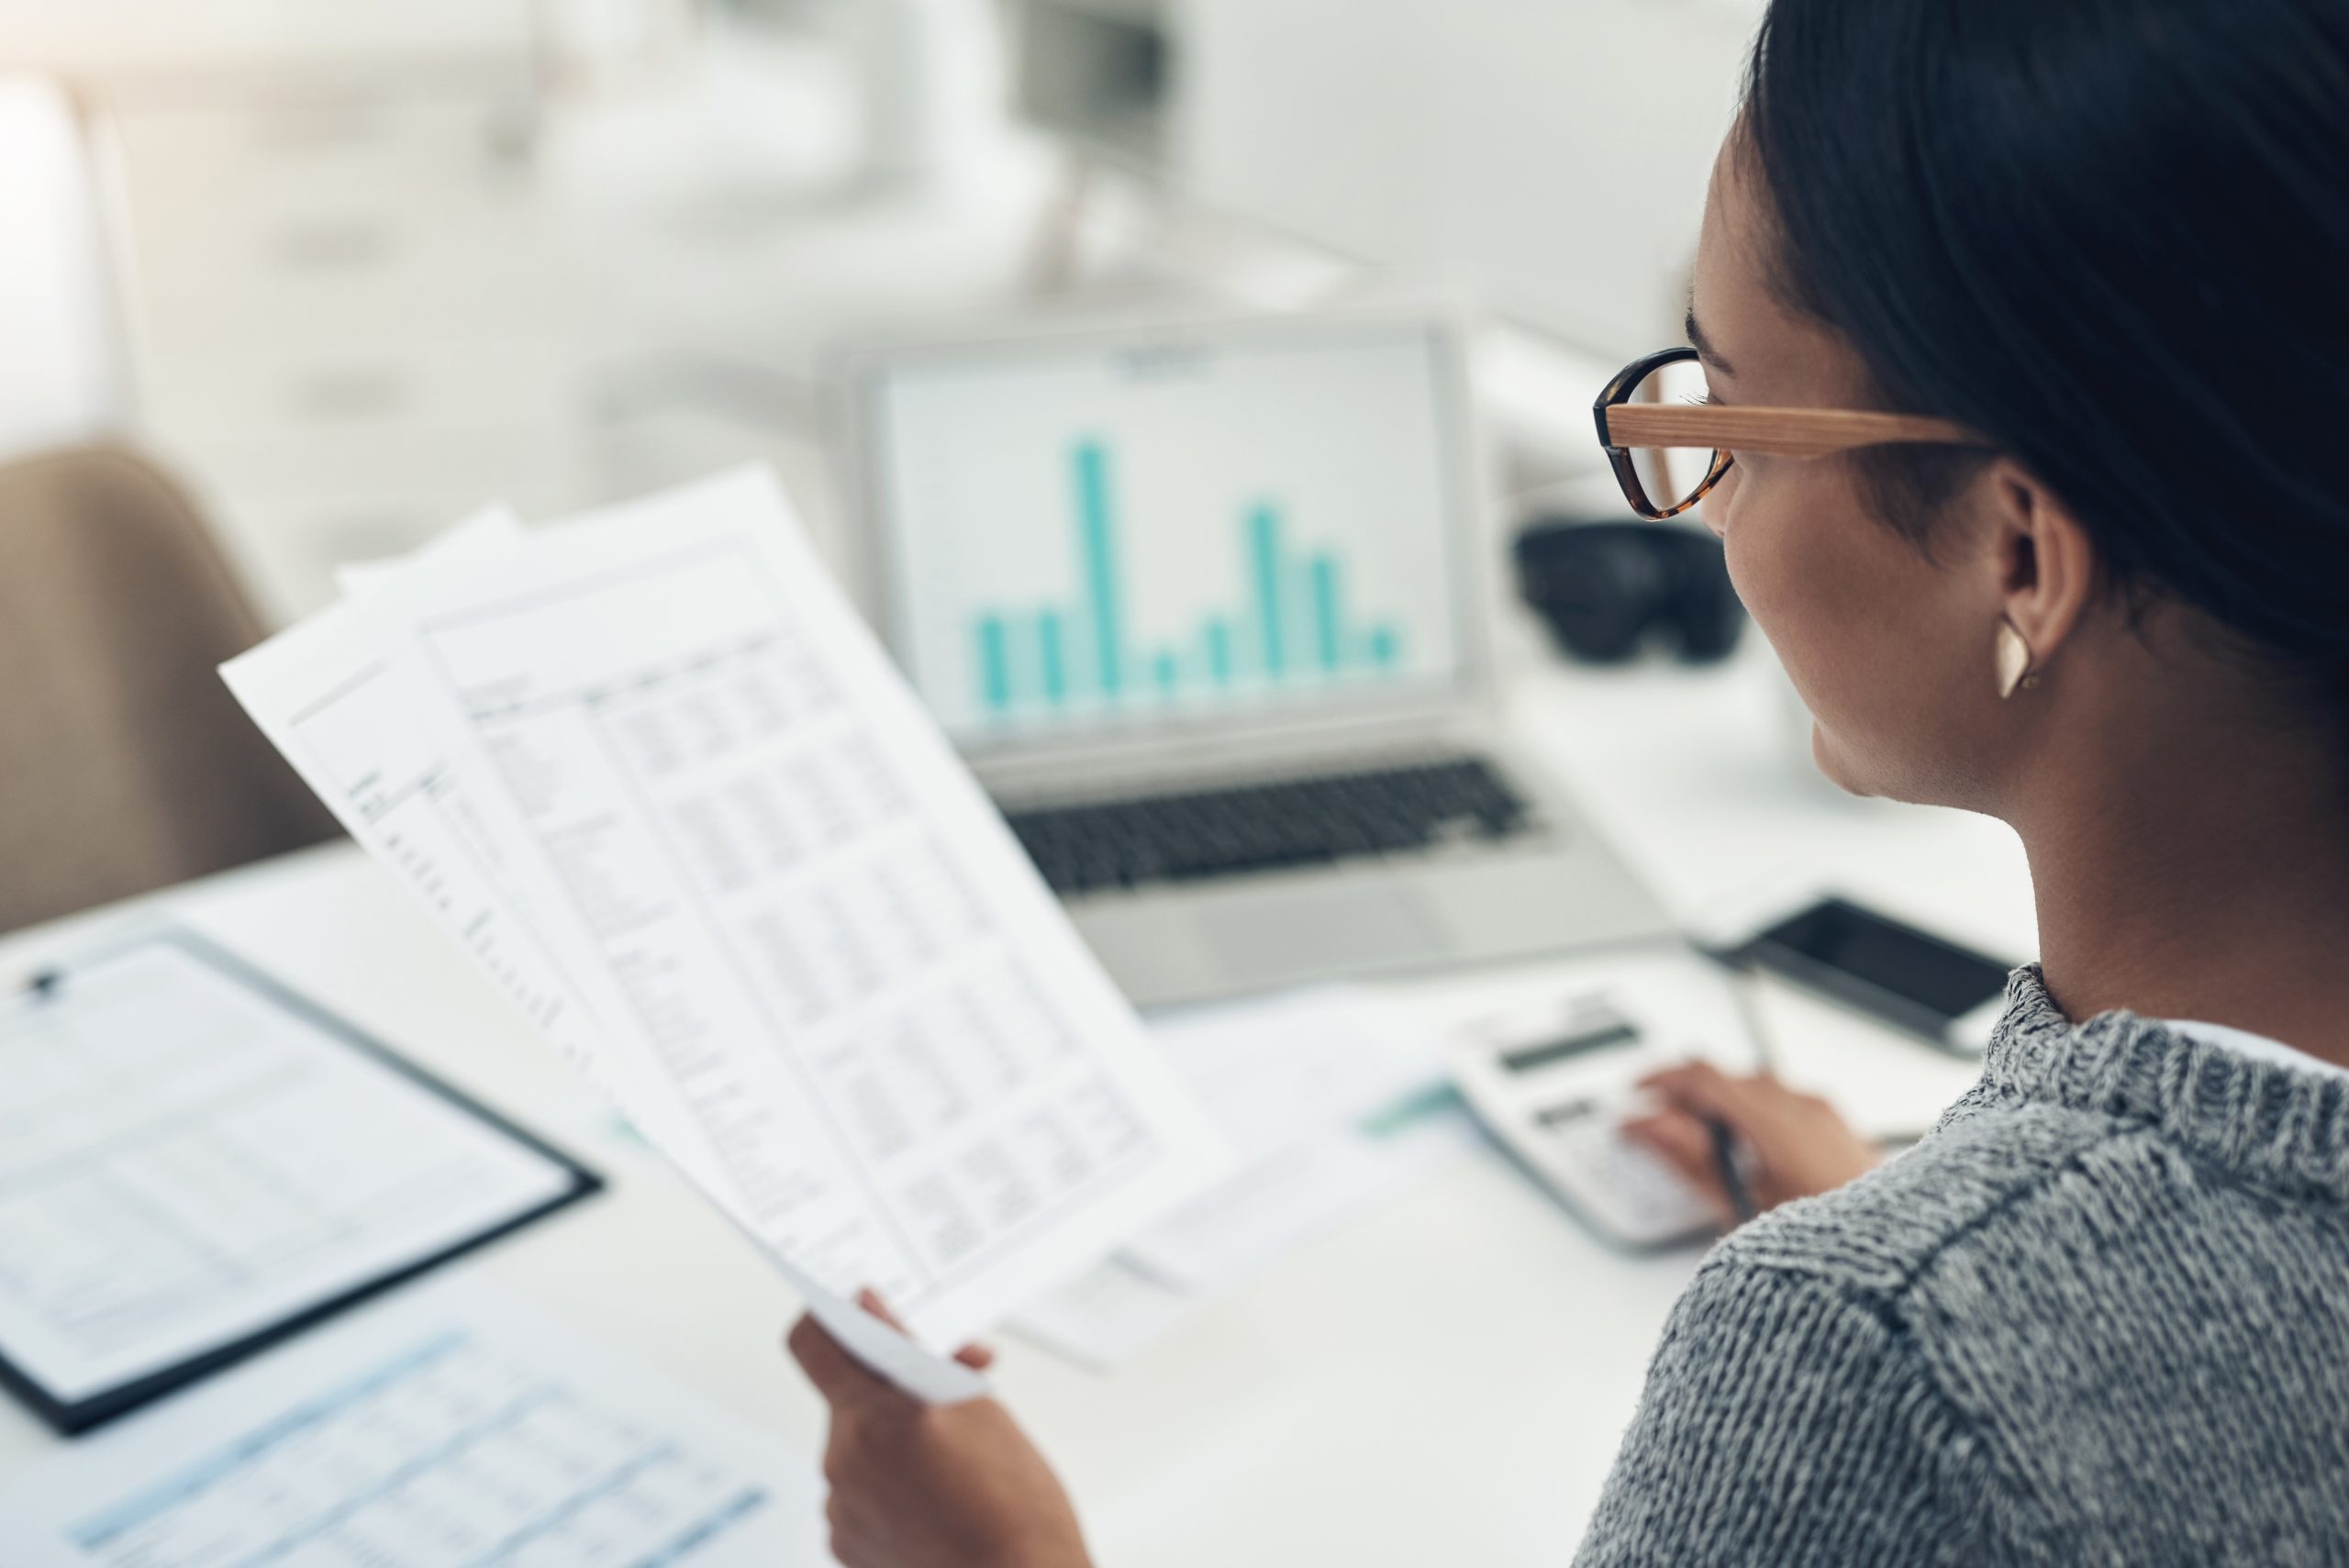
[{"x": 1655, "y": 408}]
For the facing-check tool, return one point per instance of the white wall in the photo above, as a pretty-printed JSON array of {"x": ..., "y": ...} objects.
[
  {"x": 1552, "y": 154},
  {"x": 61, "y": 371},
  {"x": 138, "y": 39}
]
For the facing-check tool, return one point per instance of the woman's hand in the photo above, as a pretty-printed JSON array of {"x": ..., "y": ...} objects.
[
  {"x": 918, "y": 1485},
  {"x": 1795, "y": 1145}
]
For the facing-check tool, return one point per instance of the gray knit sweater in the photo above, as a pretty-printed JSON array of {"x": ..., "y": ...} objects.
[{"x": 2101, "y": 1315}]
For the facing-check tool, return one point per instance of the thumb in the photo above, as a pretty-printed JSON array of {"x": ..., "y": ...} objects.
[
  {"x": 978, "y": 1358},
  {"x": 839, "y": 1377},
  {"x": 1704, "y": 1091}
]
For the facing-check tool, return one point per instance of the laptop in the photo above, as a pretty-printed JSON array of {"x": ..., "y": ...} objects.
[{"x": 1207, "y": 609}]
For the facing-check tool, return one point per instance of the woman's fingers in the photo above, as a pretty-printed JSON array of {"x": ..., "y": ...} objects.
[
  {"x": 838, "y": 1376},
  {"x": 870, "y": 1299},
  {"x": 978, "y": 1358},
  {"x": 1686, "y": 1144},
  {"x": 1796, "y": 1142},
  {"x": 1705, "y": 1091}
]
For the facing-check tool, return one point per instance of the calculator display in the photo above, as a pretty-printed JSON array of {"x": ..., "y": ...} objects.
[{"x": 1597, "y": 1035}]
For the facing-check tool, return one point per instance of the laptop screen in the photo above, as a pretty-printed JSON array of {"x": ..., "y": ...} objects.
[{"x": 1083, "y": 535}]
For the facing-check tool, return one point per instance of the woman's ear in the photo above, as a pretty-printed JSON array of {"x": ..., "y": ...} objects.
[{"x": 2045, "y": 561}]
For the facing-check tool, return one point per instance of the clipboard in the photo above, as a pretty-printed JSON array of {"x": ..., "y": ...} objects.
[{"x": 170, "y": 1083}]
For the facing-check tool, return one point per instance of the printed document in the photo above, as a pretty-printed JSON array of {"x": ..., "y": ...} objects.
[
  {"x": 1331, "y": 1104},
  {"x": 186, "y": 1162},
  {"x": 453, "y": 1424},
  {"x": 651, "y": 771}
]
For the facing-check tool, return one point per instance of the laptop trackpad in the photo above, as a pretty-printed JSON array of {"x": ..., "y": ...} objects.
[{"x": 1284, "y": 936}]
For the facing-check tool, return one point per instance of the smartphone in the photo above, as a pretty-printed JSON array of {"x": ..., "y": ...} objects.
[{"x": 1924, "y": 984}]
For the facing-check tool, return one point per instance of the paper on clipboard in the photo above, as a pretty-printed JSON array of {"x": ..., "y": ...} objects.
[{"x": 192, "y": 1158}]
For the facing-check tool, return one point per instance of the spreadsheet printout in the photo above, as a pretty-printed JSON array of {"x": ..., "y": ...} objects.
[
  {"x": 916, "y": 1075},
  {"x": 450, "y": 1426},
  {"x": 186, "y": 1162},
  {"x": 354, "y": 720},
  {"x": 785, "y": 900},
  {"x": 357, "y": 723}
]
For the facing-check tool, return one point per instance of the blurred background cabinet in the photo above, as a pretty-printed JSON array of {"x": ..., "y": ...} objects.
[
  {"x": 353, "y": 319},
  {"x": 251, "y": 46},
  {"x": 353, "y": 268},
  {"x": 1550, "y": 155}
]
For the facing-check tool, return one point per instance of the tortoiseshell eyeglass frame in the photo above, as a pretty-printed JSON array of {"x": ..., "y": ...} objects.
[{"x": 1625, "y": 426}]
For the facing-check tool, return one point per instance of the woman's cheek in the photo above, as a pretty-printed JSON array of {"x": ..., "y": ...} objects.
[
  {"x": 1761, "y": 552},
  {"x": 1749, "y": 547},
  {"x": 1713, "y": 510}
]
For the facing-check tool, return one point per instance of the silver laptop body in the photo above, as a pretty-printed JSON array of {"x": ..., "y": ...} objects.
[{"x": 930, "y": 425}]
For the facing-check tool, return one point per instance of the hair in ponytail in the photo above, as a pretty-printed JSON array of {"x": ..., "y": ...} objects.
[{"x": 2113, "y": 235}]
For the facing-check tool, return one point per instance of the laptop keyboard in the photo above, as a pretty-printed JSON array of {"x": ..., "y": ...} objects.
[{"x": 1273, "y": 826}]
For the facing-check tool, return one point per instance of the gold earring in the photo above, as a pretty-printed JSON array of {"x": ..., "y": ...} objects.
[{"x": 2013, "y": 658}]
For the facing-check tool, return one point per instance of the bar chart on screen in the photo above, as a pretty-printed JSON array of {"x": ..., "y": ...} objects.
[
  {"x": 1295, "y": 627},
  {"x": 1090, "y": 535}
]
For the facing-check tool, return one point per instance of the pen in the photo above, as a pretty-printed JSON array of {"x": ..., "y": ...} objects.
[{"x": 1741, "y": 1202}]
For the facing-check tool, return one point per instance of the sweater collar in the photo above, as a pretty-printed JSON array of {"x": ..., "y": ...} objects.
[{"x": 2276, "y": 1124}]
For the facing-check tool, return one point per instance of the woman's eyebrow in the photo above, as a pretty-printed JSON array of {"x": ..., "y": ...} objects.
[{"x": 1705, "y": 350}]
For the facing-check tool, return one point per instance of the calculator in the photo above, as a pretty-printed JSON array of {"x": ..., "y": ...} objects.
[{"x": 1554, "y": 1081}]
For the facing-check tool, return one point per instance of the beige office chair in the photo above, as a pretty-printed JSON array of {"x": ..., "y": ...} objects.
[{"x": 125, "y": 765}]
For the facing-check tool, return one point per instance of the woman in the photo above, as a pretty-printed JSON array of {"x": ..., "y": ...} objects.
[{"x": 2085, "y": 570}]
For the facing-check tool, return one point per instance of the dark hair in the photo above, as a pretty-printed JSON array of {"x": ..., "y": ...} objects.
[{"x": 2114, "y": 236}]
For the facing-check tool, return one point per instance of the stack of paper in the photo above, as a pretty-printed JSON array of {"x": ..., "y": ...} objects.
[
  {"x": 653, "y": 772},
  {"x": 1330, "y": 1107}
]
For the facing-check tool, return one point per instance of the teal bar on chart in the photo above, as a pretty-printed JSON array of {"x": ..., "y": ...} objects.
[
  {"x": 1288, "y": 626},
  {"x": 1097, "y": 550},
  {"x": 1321, "y": 573},
  {"x": 995, "y": 663},
  {"x": 1264, "y": 557},
  {"x": 1051, "y": 649},
  {"x": 1219, "y": 640}
]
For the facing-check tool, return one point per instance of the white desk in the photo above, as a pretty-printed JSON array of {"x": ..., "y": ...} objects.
[{"x": 1444, "y": 1380}]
